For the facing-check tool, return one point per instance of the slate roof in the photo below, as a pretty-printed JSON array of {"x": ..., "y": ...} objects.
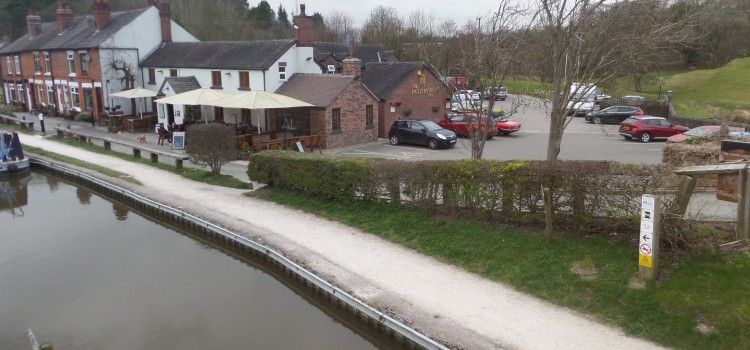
[
  {"x": 250, "y": 55},
  {"x": 383, "y": 78},
  {"x": 81, "y": 34},
  {"x": 365, "y": 52},
  {"x": 180, "y": 84},
  {"x": 316, "y": 89}
]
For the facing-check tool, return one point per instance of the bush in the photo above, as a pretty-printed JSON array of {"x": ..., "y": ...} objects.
[
  {"x": 211, "y": 145},
  {"x": 589, "y": 196},
  {"x": 6, "y": 110},
  {"x": 84, "y": 117}
]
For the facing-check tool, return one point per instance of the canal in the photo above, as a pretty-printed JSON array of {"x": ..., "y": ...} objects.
[{"x": 88, "y": 272}]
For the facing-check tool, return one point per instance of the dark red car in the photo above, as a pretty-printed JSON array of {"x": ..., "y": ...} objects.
[
  {"x": 458, "y": 123},
  {"x": 646, "y": 128}
]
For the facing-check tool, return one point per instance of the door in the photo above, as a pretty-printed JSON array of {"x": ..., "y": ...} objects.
[
  {"x": 219, "y": 114},
  {"x": 416, "y": 134},
  {"x": 170, "y": 115}
]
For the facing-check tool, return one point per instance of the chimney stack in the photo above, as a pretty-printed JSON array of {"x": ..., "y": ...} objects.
[
  {"x": 102, "y": 14},
  {"x": 165, "y": 16},
  {"x": 64, "y": 15},
  {"x": 304, "y": 25},
  {"x": 33, "y": 23},
  {"x": 351, "y": 66},
  {"x": 351, "y": 49}
]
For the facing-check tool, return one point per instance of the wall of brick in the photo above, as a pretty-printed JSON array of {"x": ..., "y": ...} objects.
[
  {"x": 418, "y": 94},
  {"x": 352, "y": 102}
]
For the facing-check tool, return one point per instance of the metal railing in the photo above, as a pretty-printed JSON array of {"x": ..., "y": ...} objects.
[{"x": 335, "y": 292}]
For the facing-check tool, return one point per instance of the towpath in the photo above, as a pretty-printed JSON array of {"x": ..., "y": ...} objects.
[{"x": 446, "y": 303}]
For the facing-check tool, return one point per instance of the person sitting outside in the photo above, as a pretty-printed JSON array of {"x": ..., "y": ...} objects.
[{"x": 164, "y": 134}]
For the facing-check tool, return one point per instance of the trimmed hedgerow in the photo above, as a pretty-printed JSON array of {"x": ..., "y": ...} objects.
[{"x": 589, "y": 196}]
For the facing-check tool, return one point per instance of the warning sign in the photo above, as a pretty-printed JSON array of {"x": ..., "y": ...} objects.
[
  {"x": 646, "y": 260},
  {"x": 645, "y": 249}
]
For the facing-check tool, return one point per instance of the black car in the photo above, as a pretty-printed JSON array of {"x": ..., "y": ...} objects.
[
  {"x": 421, "y": 132},
  {"x": 613, "y": 115}
]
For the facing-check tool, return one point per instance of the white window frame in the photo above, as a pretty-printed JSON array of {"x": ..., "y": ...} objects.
[
  {"x": 74, "y": 101},
  {"x": 9, "y": 64},
  {"x": 331, "y": 69},
  {"x": 71, "y": 63},
  {"x": 86, "y": 62},
  {"x": 50, "y": 95},
  {"x": 18, "y": 64},
  {"x": 21, "y": 93},
  {"x": 37, "y": 63},
  {"x": 39, "y": 95},
  {"x": 12, "y": 91},
  {"x": 47, "y": 63},
  {"x": 282, "y": 71}
]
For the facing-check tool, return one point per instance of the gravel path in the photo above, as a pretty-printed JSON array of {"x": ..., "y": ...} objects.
[{"x": 456, "y": 307}]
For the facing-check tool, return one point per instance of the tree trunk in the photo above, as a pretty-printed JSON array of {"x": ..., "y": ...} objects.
[
  {"x": 637, "y": 82},
  {"x": 556, "y": 129}
]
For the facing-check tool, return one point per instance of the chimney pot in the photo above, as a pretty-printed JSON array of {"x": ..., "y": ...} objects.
[
  {"x": 102, "y": 13},
  {"x": 302, "y": 10},
  {"x": 64, "y": 15}
]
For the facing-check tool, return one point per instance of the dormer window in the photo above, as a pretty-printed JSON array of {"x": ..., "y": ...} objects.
[{"x": 71, "y": 63}]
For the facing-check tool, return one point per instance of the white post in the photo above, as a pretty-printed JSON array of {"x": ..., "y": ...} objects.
[{"x": 648, "y": 246}]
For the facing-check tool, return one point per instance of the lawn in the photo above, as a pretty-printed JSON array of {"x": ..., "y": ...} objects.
[
  {"x": 190, "y": 173},
  {"x": 72, "y": 161},
  {"x": 711, "y": 289}
]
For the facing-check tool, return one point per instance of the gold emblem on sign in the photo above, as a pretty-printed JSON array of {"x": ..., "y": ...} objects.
[{"x": 419, "y": 88}]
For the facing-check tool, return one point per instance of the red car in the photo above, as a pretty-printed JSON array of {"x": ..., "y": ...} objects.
[
  {"x": 505, "y": 126},
  {"x": 460, "y": 126},
  {"x": 646, "y": 128}
]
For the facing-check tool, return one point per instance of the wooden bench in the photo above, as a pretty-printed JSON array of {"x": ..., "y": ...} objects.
[
  {"x": 25, "y": 124},
  {"x": 137, "y": 149}
]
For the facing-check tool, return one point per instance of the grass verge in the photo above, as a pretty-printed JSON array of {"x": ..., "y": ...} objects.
[
  {"x": 710, "y": 290},
  {"x": 200, "y": 175},
  {"x": 79, "y": 163}
]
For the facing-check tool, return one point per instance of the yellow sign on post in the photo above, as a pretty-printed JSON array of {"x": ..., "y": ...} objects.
[{"x": 648, "y": 245}]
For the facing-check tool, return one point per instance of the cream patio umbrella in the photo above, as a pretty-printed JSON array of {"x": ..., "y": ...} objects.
[
  {"x": 258, "y": 100},
  {"x": 135, "y": 93},
  {"x": 194, "y": 97}
]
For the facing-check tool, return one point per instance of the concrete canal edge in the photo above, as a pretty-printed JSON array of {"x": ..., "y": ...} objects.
[{"x": 310, "y": 279}]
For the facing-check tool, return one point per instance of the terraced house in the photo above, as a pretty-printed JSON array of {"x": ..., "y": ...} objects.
[{"x": 73, "y": 64}]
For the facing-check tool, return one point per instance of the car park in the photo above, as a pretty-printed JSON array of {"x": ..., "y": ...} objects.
[
  {"x": 613, "y": 115},
  {"x": 705, "y": 131},
  {"x": 461, "y": 124},
  {"x": 646, "y": 128},
  {"x": 421, "y": 132},
  {"x": 500, "y": 93}
]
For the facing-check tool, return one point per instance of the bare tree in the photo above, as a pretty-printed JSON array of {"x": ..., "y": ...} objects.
[
  {"x": 489, "y": 51},
  {"x": 124, "y": 67},
  {"x": 211, "y": 145},
  {"x": 384, "y": 26},
  {"x": 339, "y": 25},
  {"x": 583, "y": 47}
]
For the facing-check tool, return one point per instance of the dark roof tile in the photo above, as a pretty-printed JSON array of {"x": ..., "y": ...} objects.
[
  {"x": 251, "y": 55},
  {"x": 317, "y": 89},
  {"x": 180, "y": 84},
  {"x": 383, "y": 78},
  {"x": 365, "y": 52}
]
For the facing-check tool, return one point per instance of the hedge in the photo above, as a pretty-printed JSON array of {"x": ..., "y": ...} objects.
[{"x": 589, "y": 196}]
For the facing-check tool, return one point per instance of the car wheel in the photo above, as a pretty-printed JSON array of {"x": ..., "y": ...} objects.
[
  {"x": 645, "y": 137},
  {"x": 395, "y": 140},
  {"x": 628, "y": 137},
  {"x": 504, "y": 133},
  {"x": 597, "y": 120},
  {"x": 432, "y": 144}
]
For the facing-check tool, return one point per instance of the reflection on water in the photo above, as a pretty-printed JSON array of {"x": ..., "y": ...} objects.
[
  {"x": 14, "y": 194},
  {"x": 84, "y": 278}
]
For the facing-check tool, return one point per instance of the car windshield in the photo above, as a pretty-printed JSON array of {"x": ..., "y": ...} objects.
[
  {"x": 700, "y": 131},
  {"x": 430, "y": 125}
]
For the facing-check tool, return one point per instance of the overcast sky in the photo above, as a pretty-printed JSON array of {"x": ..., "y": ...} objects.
[{"x": 458, "y": 10}]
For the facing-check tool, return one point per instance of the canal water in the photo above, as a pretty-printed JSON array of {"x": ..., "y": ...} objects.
[{"x": 87, "y": 272}]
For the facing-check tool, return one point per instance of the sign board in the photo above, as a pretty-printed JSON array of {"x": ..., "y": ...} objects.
[
  {"x": 300, "y": 148},
  {"x": 178, "y": 140},
  {"x": 648, "y": 242}
]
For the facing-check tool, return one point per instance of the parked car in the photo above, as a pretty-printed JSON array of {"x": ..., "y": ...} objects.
[
  {"x": 613, "y": 115},
  {"x": 421, "y": 132},
  {"x": 633, "y": 100},
  {"x": 646, "y": 128},
  {"x": 462, "y": 102},
  {"x": 506, "y": 126},
  {"x": 578, "y": 109},
  {"x": 705, "y": 131},
  {"x": 501, "y": 93},
  {"x": 460, "y": 124},
  {"x": 601, "y": 97}
]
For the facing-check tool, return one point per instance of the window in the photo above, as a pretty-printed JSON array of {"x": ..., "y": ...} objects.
[
  {"x": 368, "y": 117},
  {"x": 74, "y": 97},
  {"x": 331, "y": 68},
  {"x": 50, "y": 95},
  {"x": 216, "y": 79},
  {"x": 8, "y": 65},
  {"x": 336, "y": 119},
  {"x": 47, "y": 63},
  {"x": 37, "y": 63},
  {"x": 173, "y": 73},
  {"x": 85, "y": 60},
  {"x": 88, "y": 99},
  {"x": 71, "y": 63},
  {"x": 151, "y": 76},
  {"x": 21, "y": 94},
  {"x": 40, "y": 94},
  {"x": 282, "y": 70},
  {"x": 12, "y": 88},
  {"x": 18, "y": 65},
  {"x": 244, "y": 80}
]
